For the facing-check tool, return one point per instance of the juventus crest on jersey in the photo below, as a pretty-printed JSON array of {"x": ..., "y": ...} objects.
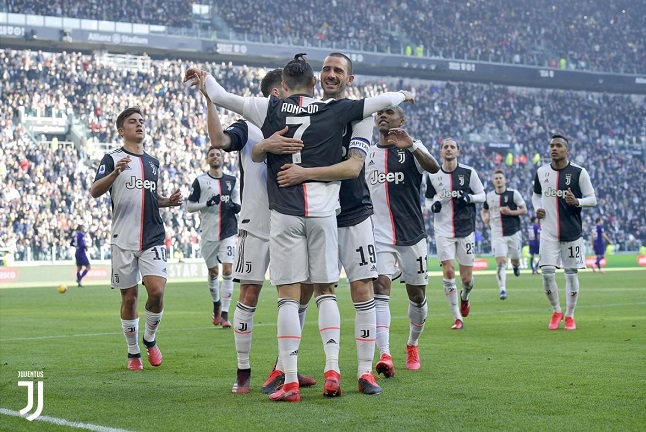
[
  {"x": 394, "y": 178},
  {"x": 135, "y": 203}
]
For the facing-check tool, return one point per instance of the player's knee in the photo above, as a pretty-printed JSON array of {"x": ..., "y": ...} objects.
[
  {"x": 213, "y": 273},
  {"x": 416, "y": 293},
  {"x": 249, "y": 294}
]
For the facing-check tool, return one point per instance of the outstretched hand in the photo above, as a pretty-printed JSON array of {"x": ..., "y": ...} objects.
[
  {"x": 291, "y": 175},
  {"x": 570, "y": 198},
  {"x": 408, "y": 96},
  {"x": 399, "y": 138},
  {"x": 175, "y": 199},
  {"x": 280, "y": 144}
]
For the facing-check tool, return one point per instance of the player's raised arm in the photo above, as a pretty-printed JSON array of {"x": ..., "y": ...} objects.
[
  {"x": 375, "y": 103},
  {"x": 253, "y": 109}
]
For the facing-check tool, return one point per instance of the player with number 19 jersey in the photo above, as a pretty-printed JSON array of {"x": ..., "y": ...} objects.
[{"x": 135, "y": 203}]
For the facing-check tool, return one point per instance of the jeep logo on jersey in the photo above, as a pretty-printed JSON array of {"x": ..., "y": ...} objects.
[
  {"x": 555, "y": 193},
  {"x": 391, "y": 177},
  {"x": 401, "y": 155},
  {"x": 568, "y": 179},
  {"x": 461, "y": 180},
  {"x": 153, "y": 168},
  {"x": 444, "y": 193},
  {"x": 136, "y": 183},
  {"x": 225, "y": 198}
]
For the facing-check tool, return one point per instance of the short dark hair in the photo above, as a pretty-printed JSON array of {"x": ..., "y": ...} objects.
[
  {"x": 270, "y": 81},
  {"x": 127, "y": 113},
  {"x": 343, "y": 56},
  {"x": 298, "y": 73},
  {"x": 562, "y": 137},
  {"x": 208, "y": 150},
  {"x": 597, "y": 220},
  {"x": 498, "y": 171}
]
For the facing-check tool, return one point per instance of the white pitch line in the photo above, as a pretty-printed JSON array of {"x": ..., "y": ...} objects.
[
  {"x": 488, "y": 312},
  {"x": 63, "y": 422}
]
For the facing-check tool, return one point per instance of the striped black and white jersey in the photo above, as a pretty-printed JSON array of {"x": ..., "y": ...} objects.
[
  {"x": 254, "y": 214},
  {"x": 562, "y": 222},
  {"x": 354, "y": 195},
  {"x": 394, "y": 178},
  {"x": 320, "y": 125},
  {"x": 456, "y": 219},
  {"x": 503, "y": 225},
  {"x": 216, "y": 222},
  {"x": 136, "y": 222}
]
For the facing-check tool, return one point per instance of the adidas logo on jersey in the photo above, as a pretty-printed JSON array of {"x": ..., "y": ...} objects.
[{"x": 391, "y": 177}]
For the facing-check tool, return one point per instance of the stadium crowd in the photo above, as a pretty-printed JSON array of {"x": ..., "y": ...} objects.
[
  {"x": 45, "y": 184},
  {"x": 589, "y": 34}
]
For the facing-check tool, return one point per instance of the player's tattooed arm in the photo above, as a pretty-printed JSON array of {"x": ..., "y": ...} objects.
[{"x": 292, "y": 174}]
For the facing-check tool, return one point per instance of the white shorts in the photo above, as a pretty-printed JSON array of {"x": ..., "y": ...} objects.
[
  {"x": 463, "y": 248},
  {"x": 128, "y": 267},
  {"x": 357, "y": 252},
  {"x": 411, "y": 260},
  {"x": 562, "y": 254},
  {"x": 218, "y": 251},
  {"x": 507, "y": 245},
  {"x": 303, "y": 248},
  {"x": 252, "y": 259}
]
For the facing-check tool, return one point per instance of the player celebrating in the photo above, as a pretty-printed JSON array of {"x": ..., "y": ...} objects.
[
  {"x": 131, "y": 176},
  {"x": 216, "y": 196},
  {"x": 394, "y": 172},
  {"x": 599, "y": 245},
  {"x": 453, "y": 193},
  {"x": 356, "y": 240},
  {"x": 502, "y": 209},
  {"x": 303, "y": 218},
  {"x": 561, "y": 188},
  {"x": 78, "y": 241},
  {"x": 252, "y": 250}
]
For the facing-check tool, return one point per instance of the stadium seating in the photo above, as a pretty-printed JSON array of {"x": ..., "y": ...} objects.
[
  {"x": 591, "y": 35},
  {"x": 46, "y": 184}
]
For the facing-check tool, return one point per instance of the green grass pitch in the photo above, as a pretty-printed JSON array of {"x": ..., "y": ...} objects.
[{"x": 504, "y": 371}]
